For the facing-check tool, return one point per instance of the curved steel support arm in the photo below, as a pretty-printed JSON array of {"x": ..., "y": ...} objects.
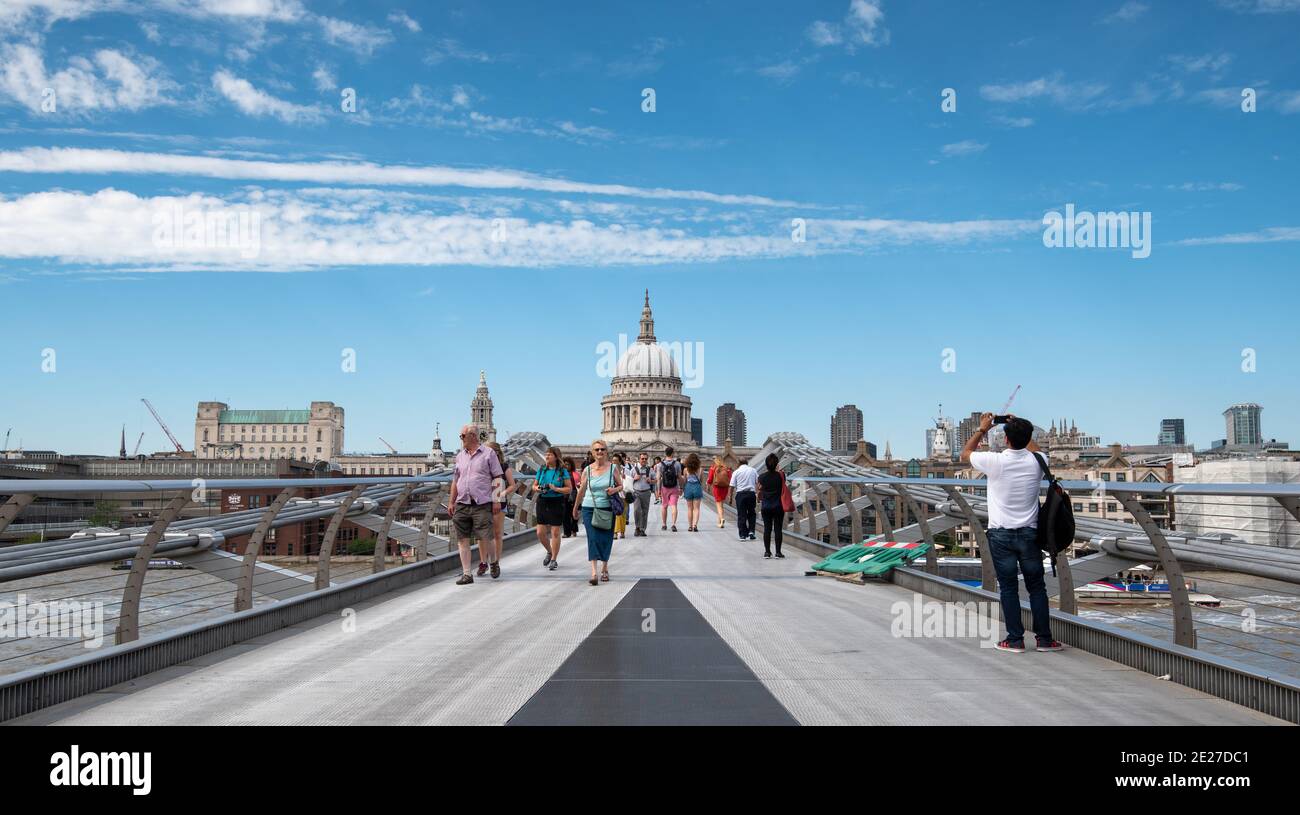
[
  {"x": 128, "y": 624},
  {"x": 882, "y": 517},
  {"x": 331, "y": 532},
  {"x": 1184, "y": 625},
  {"x": 931, "y": 557},
  {"x": 244, "y": 589},
  {"x": 16, "y": 504},
  {"x": 381, "y": 540},
  {"x": 988, "y": 575}
]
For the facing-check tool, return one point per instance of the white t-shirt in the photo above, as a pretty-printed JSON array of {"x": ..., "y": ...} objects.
[
  {"x": 1014, "y": 481},
  {"x": 745, "y": 478}
]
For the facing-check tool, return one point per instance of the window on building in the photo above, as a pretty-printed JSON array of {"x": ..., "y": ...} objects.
[
  {"x": 1105, "y": 476},
  {"x": 1092, "y": 507},
  {"x": 1121, "y": 476},
  {"x": 1078, "y": 507},
  {"x": 1111, "y": 506}
]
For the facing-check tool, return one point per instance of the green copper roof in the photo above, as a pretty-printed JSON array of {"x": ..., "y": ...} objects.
[{"x": 264, "y": 416}]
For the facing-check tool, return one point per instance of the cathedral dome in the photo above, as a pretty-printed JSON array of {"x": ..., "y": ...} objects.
[
  {"x": 647, "y": 359},
  {"x": 645, "y": 407}
]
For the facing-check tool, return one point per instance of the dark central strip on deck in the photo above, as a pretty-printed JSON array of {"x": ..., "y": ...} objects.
[{"x": 682, "y": 673}]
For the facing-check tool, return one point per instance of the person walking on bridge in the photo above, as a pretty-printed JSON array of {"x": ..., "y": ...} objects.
[
  {"x": 599, "y": 481},
  {"x": 670, "y": 487},
  {"x": 470, "y": 499},
  {"x": 502, "y": 489},
  {"x": 720, "y": 483},
  {"x": 553, "y": 486},
  {"x": 570, "y": 525},
  {"x": 743, "y": 482},
  {"x": 642, "y": 487},
  {"x": 1014, "y": 480},
  {"x": 693, "y": 493},
  {"x": 771, "y": 485}
]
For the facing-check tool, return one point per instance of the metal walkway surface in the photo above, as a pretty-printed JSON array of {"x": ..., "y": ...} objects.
[{"x": 541, "y": 647}]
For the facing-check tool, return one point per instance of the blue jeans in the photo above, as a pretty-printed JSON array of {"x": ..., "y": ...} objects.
[{"x": 1019, "y": 547}]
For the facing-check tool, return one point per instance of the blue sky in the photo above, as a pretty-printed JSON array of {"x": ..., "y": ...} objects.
[{"x": 498, "y": 198}]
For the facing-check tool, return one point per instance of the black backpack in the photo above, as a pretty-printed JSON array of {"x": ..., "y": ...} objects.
[
  {"x": 1055, "y": 516},
  {"x": 668, "y": 479}
]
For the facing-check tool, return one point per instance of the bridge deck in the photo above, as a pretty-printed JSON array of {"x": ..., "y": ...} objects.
[{"x": 738, "y": 639}]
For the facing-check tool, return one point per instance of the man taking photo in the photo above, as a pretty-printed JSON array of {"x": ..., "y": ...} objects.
[{"x": 1014, "y": 479}]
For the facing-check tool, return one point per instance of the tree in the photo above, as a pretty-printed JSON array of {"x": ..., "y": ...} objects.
[
  {"x": 105, "y": 514},
  {"x": 362, "y": 546}
]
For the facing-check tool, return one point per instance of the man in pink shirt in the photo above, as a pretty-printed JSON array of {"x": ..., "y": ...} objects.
[{"x": 470, "y": 501}]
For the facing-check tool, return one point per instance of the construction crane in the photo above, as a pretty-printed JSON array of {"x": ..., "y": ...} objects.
[
  {"x": 136, "y": 451},
  {"x": 1010, "y": 399},
  {"x": 163, "y": 425},
  {"x": 7, "y": 432},
  {"x": 390, "y": 447}
]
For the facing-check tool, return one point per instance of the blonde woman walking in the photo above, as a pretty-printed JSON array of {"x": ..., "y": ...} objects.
[
  {"x": 599, "y": 482},
  {"x": 720, "y": 483}
]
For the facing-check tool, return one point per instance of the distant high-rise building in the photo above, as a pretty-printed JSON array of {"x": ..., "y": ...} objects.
[
  {"x": 846, "y": 429},
  {"x": 697, "y": 431},
  {"x": 965, "y": 429},
  {"x": 1242, "y": 423},
  {"x": 731, "y": 425},
  {"x": 1171, "y": 432}
]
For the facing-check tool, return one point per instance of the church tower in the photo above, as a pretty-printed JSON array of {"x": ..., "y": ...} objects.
[{"x": 480, "y": 411}]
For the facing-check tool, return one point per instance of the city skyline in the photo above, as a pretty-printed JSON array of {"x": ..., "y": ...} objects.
[{"x": 503, "y": 166}]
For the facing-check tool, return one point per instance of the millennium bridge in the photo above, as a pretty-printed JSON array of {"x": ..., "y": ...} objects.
[{"x": 693, "y": 627}]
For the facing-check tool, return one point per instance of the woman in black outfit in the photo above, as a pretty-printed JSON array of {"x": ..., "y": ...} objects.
[
  {"x": 570, "y": 526},
  {"x": 769, "y": 497}
]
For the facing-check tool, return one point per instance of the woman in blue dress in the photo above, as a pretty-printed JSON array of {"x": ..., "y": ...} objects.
[{"x": 599, "y": 481}]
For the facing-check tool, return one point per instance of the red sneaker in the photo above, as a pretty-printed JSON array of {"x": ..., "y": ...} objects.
[
  {"x": 482, "y": 568},
  {"x": 1013, "y": 647},
  {"x": 1051, "y": 645}
]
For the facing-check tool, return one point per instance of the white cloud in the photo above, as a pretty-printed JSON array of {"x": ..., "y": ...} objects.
[
  {"x": 99, "y": 162},
  {"x": 324, "y": 79},
  {"x": 1126, "y": 13},
  {"x": 963, "y": 148},
  {"x": 823, "y": 33},
  {"x": 109, "y": 81},
  {"x": 863, "y": 24},
  {"x": 1205, "y": 186},
  {"x": 1204, "y": 62},
  {"x": 362, "y": 39},
  {"x": 1273, "y": 234},
  {"x": 1281, "y": 101},
  {"x": 1262, "y": 6},
  {"x": 450, "y": 49},
  {"x": 323, "y": 228},
  {"x": 256, "y": 102},
  {"x": 401, "y": 18},
  {"x": 781, "y": 71},
  {"x": 1053, "y": 88},
  {"x": 1014, "y": 121}
]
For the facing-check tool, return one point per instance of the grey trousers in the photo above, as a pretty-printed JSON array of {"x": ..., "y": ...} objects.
[{"x": 642, "y": 509}]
